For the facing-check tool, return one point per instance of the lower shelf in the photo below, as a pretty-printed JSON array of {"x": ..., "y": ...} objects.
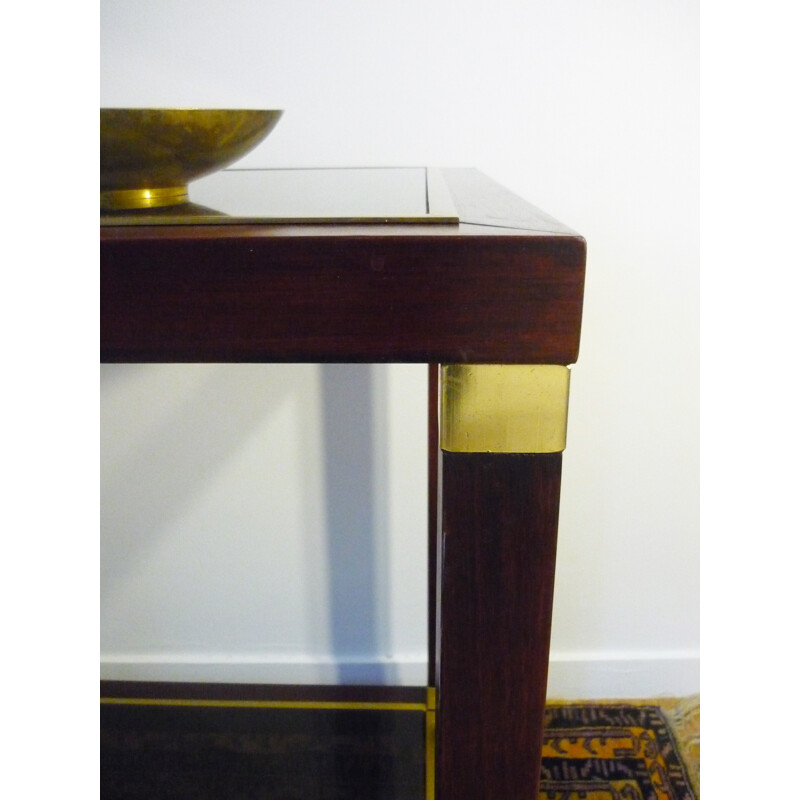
[{"x": 282, "y": 743}]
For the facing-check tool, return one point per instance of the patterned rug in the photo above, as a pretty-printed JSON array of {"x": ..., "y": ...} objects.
[{"x": 621, "y": 751}]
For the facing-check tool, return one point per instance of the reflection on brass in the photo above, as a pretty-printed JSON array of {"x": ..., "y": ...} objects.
[
  {"x": 504, "y": 408},
  {"x": 148, "y": 156},
  {"x": 182, "y": 213},
  {"x": 430, "y": 746},
  {"x": 143, "y": 198}
]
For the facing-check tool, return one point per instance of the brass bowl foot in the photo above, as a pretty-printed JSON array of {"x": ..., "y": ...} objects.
[{"x": 114, "y": 199}]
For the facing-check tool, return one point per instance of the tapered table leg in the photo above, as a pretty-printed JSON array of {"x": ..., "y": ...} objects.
[
  {"x": 499, "y": 523},
  {"x": 497, "y": 551}
]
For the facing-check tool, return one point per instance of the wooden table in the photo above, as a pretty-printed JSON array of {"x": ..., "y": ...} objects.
[{"x": 493, "y": 303}]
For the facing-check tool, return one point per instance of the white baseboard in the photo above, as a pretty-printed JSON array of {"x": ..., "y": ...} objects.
[
  {"x": 596, "y": 676},
  {"x": 301, "y": 671},
  {"x": 572, "y": 676}
]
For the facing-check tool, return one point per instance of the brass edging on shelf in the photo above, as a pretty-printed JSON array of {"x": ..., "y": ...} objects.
[{"x": 322, "y": 705}]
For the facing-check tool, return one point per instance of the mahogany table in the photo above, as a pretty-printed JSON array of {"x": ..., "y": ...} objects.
[{"x": 487, "y": 290}]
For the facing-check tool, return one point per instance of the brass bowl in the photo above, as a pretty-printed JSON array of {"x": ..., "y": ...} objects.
[{"x": 148, "y": 156}]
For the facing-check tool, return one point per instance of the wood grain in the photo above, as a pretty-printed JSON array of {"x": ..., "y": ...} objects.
[
  {"x": 415, "y": 293},
  {"x": 498, "y": 550}
]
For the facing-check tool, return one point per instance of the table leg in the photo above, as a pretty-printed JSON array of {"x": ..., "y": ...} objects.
[{"x": 496, "y": 552}]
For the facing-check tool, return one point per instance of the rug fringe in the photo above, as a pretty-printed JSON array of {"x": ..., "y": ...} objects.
[{"x": 684, "y": 719}]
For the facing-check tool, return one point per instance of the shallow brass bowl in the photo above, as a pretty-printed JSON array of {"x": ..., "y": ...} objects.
[{"x": 148, "y": 156}]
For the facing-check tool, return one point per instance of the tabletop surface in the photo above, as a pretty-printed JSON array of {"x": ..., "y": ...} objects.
[
  {"x": 407, "y": 200},
  {"x": 330, "y": 196},
  {"x": 502, "y": 284}
]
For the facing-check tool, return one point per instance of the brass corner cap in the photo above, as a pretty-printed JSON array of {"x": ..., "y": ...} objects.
[{"x": 504, "y": 408}]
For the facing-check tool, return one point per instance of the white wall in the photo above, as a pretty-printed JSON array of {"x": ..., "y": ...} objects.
[{"x": 588, "y": 110}]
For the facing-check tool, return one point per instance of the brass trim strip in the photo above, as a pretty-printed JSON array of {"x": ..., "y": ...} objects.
[
  {"x": 296, "y": 704},
  {"x": 440, "y": 201},
  {"x": 504, "y": 408},
  {"x": 430, "y": 746}
]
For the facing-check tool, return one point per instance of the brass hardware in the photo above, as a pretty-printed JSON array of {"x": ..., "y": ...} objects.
[
  {"x": 298, "y": 704},
  {"x": 151, "y": 154},
  {"x": 504, "y": 408},
  {"x": 430, "y": 746}
]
